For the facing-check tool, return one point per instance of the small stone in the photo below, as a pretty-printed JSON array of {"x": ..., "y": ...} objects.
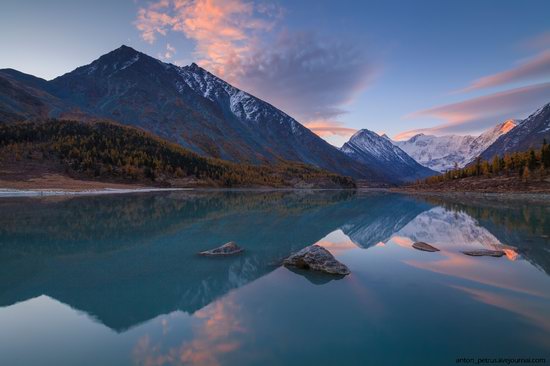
[
  {"x": 485, "y": 252},
  {"x": 317, "y": 258},
  {"x": 226, "y": 249},
  {"x": 420, "y": 245}
]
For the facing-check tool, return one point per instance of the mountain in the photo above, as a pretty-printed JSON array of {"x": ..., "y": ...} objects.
[
  {"x": 23, "y": 97},
  {"x": 442, "y": 153},
  {"x": 187, "y": 105},
  {"x": 529, "y": 133},
  {"x": 377, "y": 151}
]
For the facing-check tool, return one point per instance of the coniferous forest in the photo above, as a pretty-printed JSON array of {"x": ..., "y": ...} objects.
[{"x": 105, "y": 150}]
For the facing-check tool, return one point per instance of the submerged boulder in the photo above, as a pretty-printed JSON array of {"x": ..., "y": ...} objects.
[
  {"x": 420, "y": 245},
  {"x": 485, "y": 252},
  {"x": 226, "y": 249},
  {"x": 316, "y": 258}
]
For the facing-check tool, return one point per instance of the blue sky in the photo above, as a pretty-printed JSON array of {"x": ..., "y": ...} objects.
[{"x": 389, "y": 66}]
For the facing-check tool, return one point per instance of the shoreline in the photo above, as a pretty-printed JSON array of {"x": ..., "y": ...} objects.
[
  {"x": 501, "y": 196},
  {"x": 49, "y": 192}
]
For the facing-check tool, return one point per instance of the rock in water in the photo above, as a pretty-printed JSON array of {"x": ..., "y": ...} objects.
[
  {"x": 226, "y": 249},
  {"x": 485, "y": 252},
  {"x": 420, "y": 245},
  {"x": 316, "y": 258}
]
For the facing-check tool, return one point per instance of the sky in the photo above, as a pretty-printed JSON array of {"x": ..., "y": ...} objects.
[{"x": 394, "y": 67}]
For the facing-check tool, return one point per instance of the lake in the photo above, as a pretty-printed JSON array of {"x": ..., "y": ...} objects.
[{"x": 115, "y": 280}]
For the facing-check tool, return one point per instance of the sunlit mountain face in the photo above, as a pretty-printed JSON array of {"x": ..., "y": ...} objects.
[{"x": 125, "y": 269}]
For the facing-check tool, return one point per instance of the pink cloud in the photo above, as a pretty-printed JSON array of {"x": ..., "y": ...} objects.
[
  {"x": 535, "y": 68},
  {"x": 242, "y": 42},
  {"x": 478, "y": 114},
  {"x": 325, "y": 128}
]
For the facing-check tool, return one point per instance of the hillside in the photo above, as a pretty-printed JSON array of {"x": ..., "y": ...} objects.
[
  {"x": 529, "y": 134},
  {"x": 185, "y": 105},
  {"x": 108, "y": 152}
]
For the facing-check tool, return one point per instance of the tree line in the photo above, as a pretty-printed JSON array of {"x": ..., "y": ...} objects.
[{"x": 525, "y": 164}]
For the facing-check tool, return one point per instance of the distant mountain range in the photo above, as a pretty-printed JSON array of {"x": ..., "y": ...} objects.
[
  {"x": 206, "y": 115},
  {"x": 377, "y": 151},
  {"x": 442, "y": 153}
]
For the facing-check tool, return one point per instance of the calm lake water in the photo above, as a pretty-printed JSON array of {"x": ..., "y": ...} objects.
[{"x": 115, "y": 280}]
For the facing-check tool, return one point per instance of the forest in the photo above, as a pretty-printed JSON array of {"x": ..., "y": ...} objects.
[
  {"x": 104, "y": 150},
  {"x": 527, "y": 165}
]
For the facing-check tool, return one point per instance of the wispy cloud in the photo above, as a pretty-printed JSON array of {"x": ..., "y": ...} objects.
[
  {"x": 535, "y": 68},
  {"x": 540, "y": 41},
  {"x": 325, "y": 128},
  {"x": 168, "y": 53},
  {"x": 477, "y": 114},
  {"x": 309, "y": 77}
]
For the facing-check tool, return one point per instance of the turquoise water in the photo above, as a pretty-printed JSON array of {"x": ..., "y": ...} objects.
[{"x": 115, "y": 280}]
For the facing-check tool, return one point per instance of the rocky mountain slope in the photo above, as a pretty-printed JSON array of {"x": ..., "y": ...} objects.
[
  {"x": 442, "y": 153},
  {"x": 530, "y": 133},
  {"x": 187, "y": 105},
  {"x": 373, "y": 150}
]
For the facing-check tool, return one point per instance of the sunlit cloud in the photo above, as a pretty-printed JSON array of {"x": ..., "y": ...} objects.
[
  {"x": 325, "y": 128},
  {"x": 536, "y": 68},
  {"x": 308, "y": 76},
  {"x": 478, "y": 114}
]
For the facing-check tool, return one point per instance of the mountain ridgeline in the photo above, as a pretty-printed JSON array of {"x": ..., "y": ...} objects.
[{"x": 186, "y": 105}]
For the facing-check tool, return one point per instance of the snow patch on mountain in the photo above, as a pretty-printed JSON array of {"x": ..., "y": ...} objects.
[
  {"x": 130, "y": 62},
  {"x": 243, "y": 105}
]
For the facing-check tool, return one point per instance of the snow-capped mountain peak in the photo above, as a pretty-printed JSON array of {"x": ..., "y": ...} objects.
[
  {"x": 442, "y": 153},
  {"x": 370, "y": 148}
]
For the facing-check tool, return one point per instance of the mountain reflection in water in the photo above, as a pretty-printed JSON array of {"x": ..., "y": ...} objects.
[{"x": 129, "y": 262}]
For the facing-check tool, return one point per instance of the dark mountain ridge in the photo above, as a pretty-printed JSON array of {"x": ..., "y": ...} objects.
[{"x": 528, "y": 134}]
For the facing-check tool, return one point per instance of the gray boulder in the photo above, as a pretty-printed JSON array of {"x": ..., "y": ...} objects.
[
  {"x": 316, "y": 258},
  {"x": 484, "y": 252},
  {"x": 420, "y": 245},
  {"x": 226, "y": 249}
]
